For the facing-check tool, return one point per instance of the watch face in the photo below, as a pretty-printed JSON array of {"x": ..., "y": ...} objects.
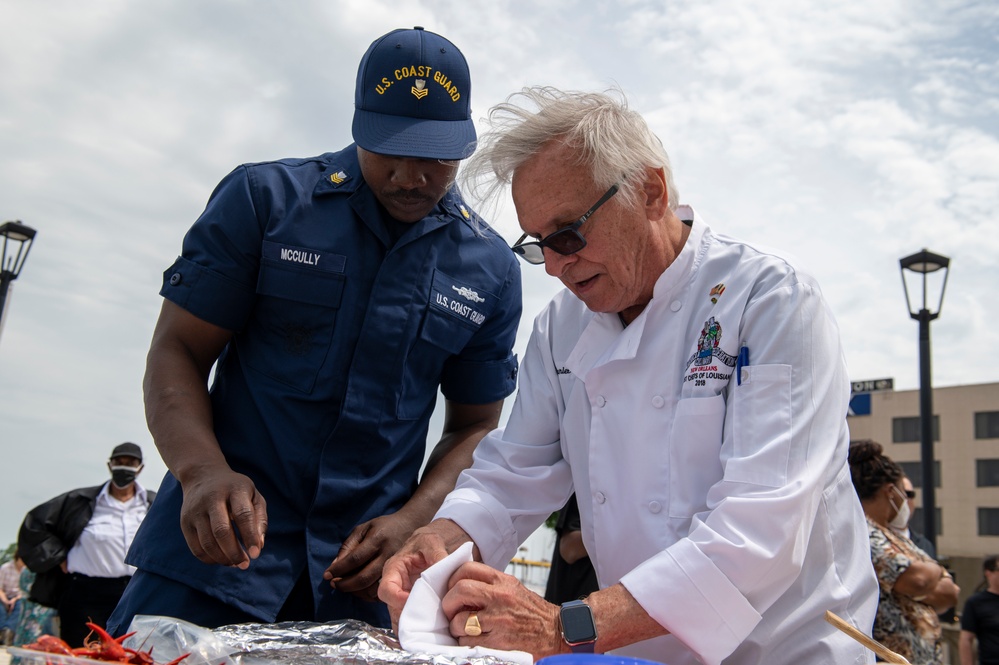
[{"x": 577, "y": 624}]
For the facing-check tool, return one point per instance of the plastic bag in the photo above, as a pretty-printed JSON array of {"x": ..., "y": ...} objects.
[{"x": 168, "y": 638}]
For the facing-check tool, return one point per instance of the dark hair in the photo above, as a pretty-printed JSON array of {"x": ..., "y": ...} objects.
[
  {"x": 870, "y": 468},
  {"x": 990, "y": 563}
]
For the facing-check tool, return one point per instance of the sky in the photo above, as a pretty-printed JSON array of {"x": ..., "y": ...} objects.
[{"x": 847, "y": 134}]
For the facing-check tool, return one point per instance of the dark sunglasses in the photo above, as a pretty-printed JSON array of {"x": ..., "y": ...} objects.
[
  {"x": 565, "y": 241},
  {"x": 910, "y": 494}
]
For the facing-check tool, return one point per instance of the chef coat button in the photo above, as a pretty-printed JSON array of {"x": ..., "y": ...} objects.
[
  {"x": 675, "y": 306},
  {"x": 655, "y": 507},
  {"x": 658, "y": 401},
  {"x": 175, "y": 279},
  {"x": 600, "y": 497},
  {"x": 600, "y": 401}
]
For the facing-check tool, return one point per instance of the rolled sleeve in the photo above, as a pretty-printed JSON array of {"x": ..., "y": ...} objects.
[
  {"x": 207, "y": 294},
  {"x": 715, "y": 617},
  {"x": 485, "y": 521},
  {"x": 216, "y": 275},
  {"x": 486, "y": 369}
]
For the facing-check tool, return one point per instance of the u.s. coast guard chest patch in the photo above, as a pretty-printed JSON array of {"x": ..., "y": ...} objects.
[{"x": 460, "y": 300}]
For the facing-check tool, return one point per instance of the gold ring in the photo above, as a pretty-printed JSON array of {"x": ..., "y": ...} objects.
[{"x": 472, "y": 626}]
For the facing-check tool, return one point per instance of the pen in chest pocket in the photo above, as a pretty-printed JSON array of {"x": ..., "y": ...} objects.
[{"x": 743, "y": 361}]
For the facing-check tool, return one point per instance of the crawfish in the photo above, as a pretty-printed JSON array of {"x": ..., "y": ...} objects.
[
  {"x": 103, "y": 648},
  {"x": 50, "y": 644}
]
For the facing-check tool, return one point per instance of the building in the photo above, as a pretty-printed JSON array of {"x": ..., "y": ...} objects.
[{"x": 966, "y": 461}]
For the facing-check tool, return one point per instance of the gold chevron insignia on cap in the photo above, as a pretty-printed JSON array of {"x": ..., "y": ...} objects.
[
  {"x": 338, "y": 177},
  {"x": 420, "y": 89}
]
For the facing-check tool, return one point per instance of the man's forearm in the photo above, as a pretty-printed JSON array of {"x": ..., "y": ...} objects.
[
  {"x": 465, "y": 426},
  {"x": 179, "y": 415},
  {"x": 620, "y": 619},
  {"x": 965, "y": 648},
  {"x": 175, "y": 390}
]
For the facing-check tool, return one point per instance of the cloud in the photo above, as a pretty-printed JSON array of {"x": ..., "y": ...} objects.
[{"x": 848, "y": 134}]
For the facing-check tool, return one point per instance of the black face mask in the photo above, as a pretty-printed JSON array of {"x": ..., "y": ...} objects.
[{"x": 123, "y": 476}]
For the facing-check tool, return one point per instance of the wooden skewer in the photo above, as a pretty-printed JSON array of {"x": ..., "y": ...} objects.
[{"x": 881, "y": 650}]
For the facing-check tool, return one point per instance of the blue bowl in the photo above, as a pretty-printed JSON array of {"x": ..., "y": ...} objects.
[{"x": 593, "y": 659}]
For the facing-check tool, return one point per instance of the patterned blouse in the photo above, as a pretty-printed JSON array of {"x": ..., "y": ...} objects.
[{"x": 903, "y": 624}]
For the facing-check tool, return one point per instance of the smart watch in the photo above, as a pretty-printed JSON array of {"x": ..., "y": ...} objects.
[{"x": 578, "y": 628}]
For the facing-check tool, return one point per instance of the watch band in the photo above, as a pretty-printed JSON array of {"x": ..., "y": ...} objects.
[{"x": 579, "y": 630}]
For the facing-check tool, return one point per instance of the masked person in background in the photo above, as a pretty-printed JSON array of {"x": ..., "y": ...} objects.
[
  {"x": 918, "y": 539},
  {"x": 914, "y": 587},
  {"x": 76, "y": 545}
]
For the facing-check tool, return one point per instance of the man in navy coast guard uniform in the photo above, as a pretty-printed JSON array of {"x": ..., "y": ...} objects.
[{"x": 334, "y": 295}]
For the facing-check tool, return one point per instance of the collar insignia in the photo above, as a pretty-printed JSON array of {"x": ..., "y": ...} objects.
[
  {"x": 464, "y": 212},
  {"x": 338, "y": 177}
]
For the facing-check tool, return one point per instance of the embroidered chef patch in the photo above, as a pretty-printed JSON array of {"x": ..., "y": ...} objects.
[
  {"x": 316, "y": 259},
  {"x": 460, "y": 300},
  {"x": 709, "y": 361}
]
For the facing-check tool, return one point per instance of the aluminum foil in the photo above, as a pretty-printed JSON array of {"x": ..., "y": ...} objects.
[{"x": 305, "y": 643}]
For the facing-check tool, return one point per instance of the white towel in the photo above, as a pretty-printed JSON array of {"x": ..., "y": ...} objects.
[{"x": 423, "y": 626}]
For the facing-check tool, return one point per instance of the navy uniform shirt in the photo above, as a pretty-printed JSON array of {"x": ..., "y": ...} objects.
[{"x": 342, "y": 335}]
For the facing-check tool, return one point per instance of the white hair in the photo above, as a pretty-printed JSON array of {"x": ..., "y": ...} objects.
[{"x": 613, "y": 141}]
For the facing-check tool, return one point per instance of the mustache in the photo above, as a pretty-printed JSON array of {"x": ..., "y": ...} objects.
[{"x": 410, "y": 196}]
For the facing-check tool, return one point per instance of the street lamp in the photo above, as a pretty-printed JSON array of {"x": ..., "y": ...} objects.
[
  {"x": 924, "y": 263},
  {"x": 19, "y": 237}
]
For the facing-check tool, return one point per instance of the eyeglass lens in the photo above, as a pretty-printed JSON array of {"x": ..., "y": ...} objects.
[{"x": 564, "y": 241}]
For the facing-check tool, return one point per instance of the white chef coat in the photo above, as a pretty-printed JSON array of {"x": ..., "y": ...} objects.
[
  {"x": 726, "y": 509},
  {"x": 100, "y": 549}
]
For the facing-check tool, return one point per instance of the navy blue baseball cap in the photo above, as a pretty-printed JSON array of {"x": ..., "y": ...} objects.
[{"x": 412, "y": 98}]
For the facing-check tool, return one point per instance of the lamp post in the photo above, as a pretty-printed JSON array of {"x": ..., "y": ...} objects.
[
  {"x": 19, "y": 238},
  {"x": 924, "y": 263}
]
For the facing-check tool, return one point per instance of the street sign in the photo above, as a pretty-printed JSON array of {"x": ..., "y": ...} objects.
[
  {"x": 871, "y": 386},
  {"x": 860, "y": 405}
]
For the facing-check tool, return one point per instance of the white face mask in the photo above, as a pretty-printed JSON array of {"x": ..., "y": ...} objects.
[{"x": 901, "y": 519}]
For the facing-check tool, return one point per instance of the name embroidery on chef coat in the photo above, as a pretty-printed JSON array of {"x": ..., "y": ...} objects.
[{"x": 703, "y": 366}]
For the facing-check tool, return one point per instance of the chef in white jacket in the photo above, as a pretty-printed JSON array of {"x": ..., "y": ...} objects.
[{"x": 690, "y": 388}]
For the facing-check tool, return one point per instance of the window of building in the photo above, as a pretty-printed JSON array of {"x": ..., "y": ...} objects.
[
  {"x": 914, "y": 470},
  {"x": 916, "y": 521},
  {"x": 987, "y": 472},
  {"x": 907, "y": 430},
  {"x": 988, "y": 521},
  {"x": 987, "y": 425}
]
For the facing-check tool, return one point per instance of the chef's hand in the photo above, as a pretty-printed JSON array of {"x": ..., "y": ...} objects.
[
  {"x": 224, "y": 517},
  {"x": 427, "y": 546},
  {"x": 357, "y": 567},
  {"x": 511, "y": 616}
]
